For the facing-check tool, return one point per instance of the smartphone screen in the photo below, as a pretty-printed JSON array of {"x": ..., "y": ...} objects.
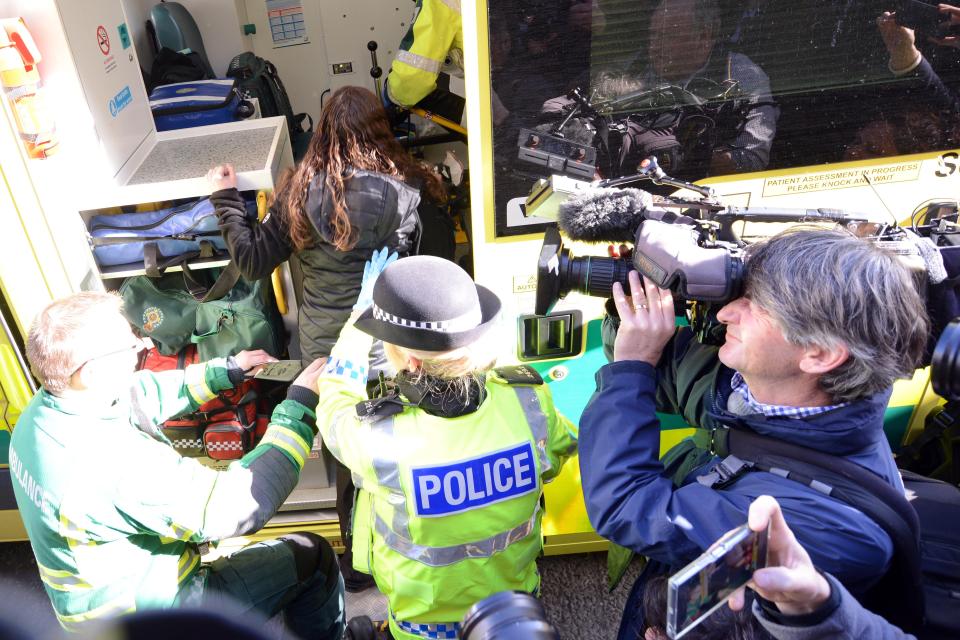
[{"x": 698, "y": 589}]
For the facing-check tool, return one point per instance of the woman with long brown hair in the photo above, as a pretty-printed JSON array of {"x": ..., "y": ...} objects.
[{"x": 355, "y": 191}]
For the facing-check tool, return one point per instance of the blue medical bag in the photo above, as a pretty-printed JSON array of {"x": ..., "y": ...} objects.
[
  {"x": 196, "y": 103},
  {"x": 121, "y": 238}
]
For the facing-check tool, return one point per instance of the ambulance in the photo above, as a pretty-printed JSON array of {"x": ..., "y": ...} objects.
[{"x": 792, "y": 104}]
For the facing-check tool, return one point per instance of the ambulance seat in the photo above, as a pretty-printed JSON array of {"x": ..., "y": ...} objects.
[{"x": 174, "y": 28}]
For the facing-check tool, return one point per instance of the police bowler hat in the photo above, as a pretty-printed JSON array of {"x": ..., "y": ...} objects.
[{"x": 430, "y": 304}]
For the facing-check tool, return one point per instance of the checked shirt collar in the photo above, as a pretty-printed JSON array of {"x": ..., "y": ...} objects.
[{"x": 739, "y": 386}]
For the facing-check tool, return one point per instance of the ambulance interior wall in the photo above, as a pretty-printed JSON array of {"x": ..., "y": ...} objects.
[
  {"x": 51, "y": 223},
  {"x": 337, "y": 30}
]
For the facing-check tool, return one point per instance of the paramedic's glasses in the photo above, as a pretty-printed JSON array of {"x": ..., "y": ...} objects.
[{"x": 140, "y": 346}]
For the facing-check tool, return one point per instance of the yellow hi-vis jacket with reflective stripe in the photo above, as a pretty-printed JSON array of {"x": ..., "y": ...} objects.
[
  {"x": 113, "y": 514},
  {"x": 449, "y": 508},
  {"x": 435, "y": 32}
]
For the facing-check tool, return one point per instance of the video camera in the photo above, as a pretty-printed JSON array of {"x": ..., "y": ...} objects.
[
  {"x": 687, "y": 245},
  {"x": 621, "y": 122}
]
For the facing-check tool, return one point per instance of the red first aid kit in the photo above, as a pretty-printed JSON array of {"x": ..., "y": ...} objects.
[{"x": 224, "y": 428}]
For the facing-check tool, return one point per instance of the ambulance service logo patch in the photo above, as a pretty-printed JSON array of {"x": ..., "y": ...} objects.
[{"x": 152, "y": 318}]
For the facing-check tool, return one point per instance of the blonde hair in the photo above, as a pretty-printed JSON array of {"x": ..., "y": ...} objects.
[
  {"x": 459, "y": 369},
  {"x": 65, "y": 334}
]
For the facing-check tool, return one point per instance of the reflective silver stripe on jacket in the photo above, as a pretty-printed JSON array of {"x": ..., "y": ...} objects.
[
  {"x": 453, "y": 4},
  {"x": 537, "y": 421},
  {"x": 189, "y": 559},
  {"x": 289, "y": 441},
  {"x": 123, "y": 604},
  {"x": 443, "y": 556},
  {"x": 419, "y": 62},
  {"x": 388, "y": 475},
  {"x": 330, "y": 440},
  {"x": 398, "y": 536},
  {"x": 62, "y": 580}
]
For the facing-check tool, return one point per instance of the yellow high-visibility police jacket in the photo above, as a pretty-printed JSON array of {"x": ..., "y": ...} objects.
[
  {"x": 449, "y": 508},
  {"x": 435, "y": 32}
]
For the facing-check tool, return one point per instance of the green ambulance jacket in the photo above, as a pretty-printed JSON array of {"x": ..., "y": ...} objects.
[
  {"x": 114, "y": 515},
  {"x": 449, "y": 508}
]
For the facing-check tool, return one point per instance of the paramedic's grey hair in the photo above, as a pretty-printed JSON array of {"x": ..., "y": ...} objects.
[
  {"x": 66, "y": 333},
  {"x": 827, "y": 287}
]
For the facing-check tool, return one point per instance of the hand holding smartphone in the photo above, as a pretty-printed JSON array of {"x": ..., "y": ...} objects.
[
  {"x": 922, "y": 17},
  {"x": 705, "y": 584}
]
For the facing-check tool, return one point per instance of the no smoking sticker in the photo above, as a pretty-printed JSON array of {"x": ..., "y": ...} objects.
[{"x": 103, "y": 40}]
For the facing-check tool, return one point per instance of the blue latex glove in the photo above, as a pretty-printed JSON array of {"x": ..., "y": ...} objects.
[{"x": 379, "y": 261}]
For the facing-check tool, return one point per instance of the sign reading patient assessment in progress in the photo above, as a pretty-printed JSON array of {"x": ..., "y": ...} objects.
[
  {"x": 841, "y": 179},
  {"x": 476, "y": 482}
]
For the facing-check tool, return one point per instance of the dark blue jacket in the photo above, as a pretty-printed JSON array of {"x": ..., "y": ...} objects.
[
  {"x": 931, "y": 89},
  {"x": 632, "y": 499}
]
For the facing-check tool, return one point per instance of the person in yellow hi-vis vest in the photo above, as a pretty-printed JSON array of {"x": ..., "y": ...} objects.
[
  {"x": 450, "y": 456},
  {"x": 434, "y": 39}
]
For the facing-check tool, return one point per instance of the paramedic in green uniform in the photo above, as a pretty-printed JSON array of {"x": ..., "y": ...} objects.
[
  {"x": 451, "y": 457},
  {"x": 116, "y": 517}
]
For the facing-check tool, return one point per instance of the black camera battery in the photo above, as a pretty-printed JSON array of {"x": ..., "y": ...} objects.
[{"x": 557, "y": 154}]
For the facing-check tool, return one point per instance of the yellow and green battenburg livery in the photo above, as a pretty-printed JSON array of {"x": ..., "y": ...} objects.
[{"x": 15, "y": 393}]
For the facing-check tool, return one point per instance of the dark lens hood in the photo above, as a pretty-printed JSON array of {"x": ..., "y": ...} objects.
[
  {"x": 945, "y": 364},
  {"x": 548, "y": 272},
  {"x": 508, "y": 615}
]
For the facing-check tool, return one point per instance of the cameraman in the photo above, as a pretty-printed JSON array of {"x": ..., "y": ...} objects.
[{"x": 826, "y": 324}]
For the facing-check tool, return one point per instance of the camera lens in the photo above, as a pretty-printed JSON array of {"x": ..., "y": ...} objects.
[
  {"x": 593, "y": 275},
  {"x": 559, "y": 272},
  {"x": 945, "y": 365},
  {"x": 509, "y": 615}
]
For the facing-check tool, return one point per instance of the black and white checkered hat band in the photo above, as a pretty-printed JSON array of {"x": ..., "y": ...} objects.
[{"x": 467, "y": 321}]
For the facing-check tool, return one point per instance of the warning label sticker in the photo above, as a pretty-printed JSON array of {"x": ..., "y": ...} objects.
[
  {"x": 524, "y": 284},
  {"x": 841, "y": 179}
]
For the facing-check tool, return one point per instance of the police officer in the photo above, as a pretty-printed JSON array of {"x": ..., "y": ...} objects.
[{"x": 450, "y": 456}]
